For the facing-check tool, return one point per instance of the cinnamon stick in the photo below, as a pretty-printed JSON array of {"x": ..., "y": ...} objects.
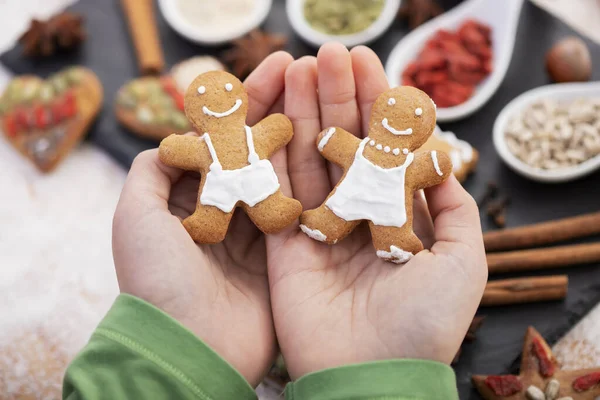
[
  {"x": 543, "y": 233},
  {"x": 525, "y": 290},
  {"x": 144, "y": 33},
  {"x": 552, "y": 257}
]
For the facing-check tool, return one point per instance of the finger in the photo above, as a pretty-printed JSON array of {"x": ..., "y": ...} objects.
[
  {"x": 337, "y": 94},
  {"x": 279, "y": 159},
  {"x": 456, "y": 221},
  {"x": 422, "y": 223},
  {"x": 148, "y": 184},
  {"x": 307, "y": 168},
  {"x": 265, "y": 84},
  {"x": 370, "y": 81}
]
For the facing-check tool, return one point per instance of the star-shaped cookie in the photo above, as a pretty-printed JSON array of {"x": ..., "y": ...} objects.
[{"x": 540, "y": 377}]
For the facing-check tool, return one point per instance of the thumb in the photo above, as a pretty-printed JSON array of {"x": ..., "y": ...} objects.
[{"x": 457, "y": 229}]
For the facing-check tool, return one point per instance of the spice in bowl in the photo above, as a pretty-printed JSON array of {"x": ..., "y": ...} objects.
[
  {"x": 569, "y": 61},
  {"x": 551, "y": 135},
  {"x": 452, "y": 64},
  {"x": 342, "y": 17},
  {"x": 217, "y": 16}
]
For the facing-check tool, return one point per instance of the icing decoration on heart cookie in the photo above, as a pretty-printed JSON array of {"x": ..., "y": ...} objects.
[
  {"x": 381, "y": 173},
  {"x": 232, "y": 159},
  {"x": 153, "y": 107},
  {"x": 44, "y": 120}
]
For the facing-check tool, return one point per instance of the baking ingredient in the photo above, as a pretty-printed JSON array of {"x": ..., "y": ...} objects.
[
  {"x": 452, "y": 64},
  {"x": 419, "y": 11},
  {"x": 144, "y": 35},
  {"x": 186, "y": 71},
  {"x": 569, "y": 61},
  {"x": 586, "y": 382},
  {"x": 551, "y": 135},
  {"x": 342, "y": 17},
  {"x": 216, "y": 17},
  {"x": 505, "y": 385},
  {"x": 525, "y": 290},
  {"x": 61, "y": 32},
  {"x": 248, "y": 52}
]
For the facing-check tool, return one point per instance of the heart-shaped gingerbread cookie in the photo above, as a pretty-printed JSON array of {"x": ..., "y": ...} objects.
[
  {"x": 152, "y": 107},
  {"x": 45, "y": 119}
]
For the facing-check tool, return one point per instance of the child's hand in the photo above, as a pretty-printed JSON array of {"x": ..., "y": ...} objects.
[
  {"x": 341, "y": 304},
  {"x": 219, "y": 292}
]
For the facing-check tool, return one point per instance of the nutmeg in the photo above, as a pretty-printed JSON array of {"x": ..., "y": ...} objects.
[{"x": 569, "y": 61}]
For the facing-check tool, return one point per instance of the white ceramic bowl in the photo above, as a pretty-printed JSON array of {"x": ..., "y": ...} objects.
[
  {"x": 295, "y": 12},
  {"x": 559, "y": 92},
  {"x": 198, "y": 34},
  {"x": 501, "y": 15}
]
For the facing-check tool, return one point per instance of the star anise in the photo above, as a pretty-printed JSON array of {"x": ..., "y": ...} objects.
[
  {"x": 419, "y": 11},
  {"x": 470, "y": 336},
  {"x": 61, "y": 32},
  {"x": 248, "y": 52}
]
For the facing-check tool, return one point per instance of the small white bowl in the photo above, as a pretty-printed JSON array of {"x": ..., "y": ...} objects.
[
  {"x": 501, "y": 15},
  {"x": 295, "y": 12},
  {"x": 198, "y": 34},
  {"x": 559, "y": 92}
]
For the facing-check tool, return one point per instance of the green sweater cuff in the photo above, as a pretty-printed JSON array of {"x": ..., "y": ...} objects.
[
  {"x": 389, "y": 380},
  {"x": 157, "y": 337}
]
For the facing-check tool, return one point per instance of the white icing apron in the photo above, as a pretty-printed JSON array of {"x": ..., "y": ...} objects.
[
  {"x": 250, "y": 184},
  {"x": 370, "y": 192}
]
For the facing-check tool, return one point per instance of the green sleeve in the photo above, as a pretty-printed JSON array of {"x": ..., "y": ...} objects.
[
  {"x": 139, "y": 352},
  {"x": 379, "y": 380}
]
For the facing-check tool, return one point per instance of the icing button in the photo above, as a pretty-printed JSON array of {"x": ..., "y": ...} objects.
[
  {"x": 386, "y": 149},
  {"x": 396, "y": 151},
  {"x": 379, "y": 147},
  {"x": 372, "y": 143}
]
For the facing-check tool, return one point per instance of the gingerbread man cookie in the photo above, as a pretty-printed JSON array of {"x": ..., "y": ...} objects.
[
  {"x": 381, "y": 173},
  {"x": 232, "y": 159}
]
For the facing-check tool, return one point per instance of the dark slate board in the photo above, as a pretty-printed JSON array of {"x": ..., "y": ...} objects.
[{"x": 108, "y": 52}]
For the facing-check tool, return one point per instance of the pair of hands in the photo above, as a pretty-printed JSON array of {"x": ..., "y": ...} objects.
[{"x": 325, "y": 306}]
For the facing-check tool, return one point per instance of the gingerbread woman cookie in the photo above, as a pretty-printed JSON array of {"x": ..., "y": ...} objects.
[
  {"x": 381, "y": 175},
  {"x": 232, "y": 159},
  {"x": 464, "y": 157}
]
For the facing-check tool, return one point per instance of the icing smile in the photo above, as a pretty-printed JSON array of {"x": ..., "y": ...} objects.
[
  {"x": 396, "y": 132},
  {"x": 233, "y": 109}
]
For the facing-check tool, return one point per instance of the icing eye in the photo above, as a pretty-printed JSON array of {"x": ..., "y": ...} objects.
[
  {"x": 201, "y": 90},
  {"x": 229, "y": 87},
  {"x": 405, "y": 151},
  {"x": 392, "y": 101},
  {"x": 418, "y": 111}
]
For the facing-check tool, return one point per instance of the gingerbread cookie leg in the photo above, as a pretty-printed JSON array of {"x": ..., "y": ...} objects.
[
  {"x": 207, "y": 224},
  {"x": 323, "y": 225},
  {"x": 387, "y": 238},
  {"x": 261, "y": 214}
]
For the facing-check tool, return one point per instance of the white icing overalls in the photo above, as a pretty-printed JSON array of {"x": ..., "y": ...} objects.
[
  {"x": 250, "y": 184},
  {"x": 370, "y": 192}
]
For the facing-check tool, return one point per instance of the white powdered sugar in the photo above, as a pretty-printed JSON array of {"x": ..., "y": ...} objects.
[{"x": 57, "y": 277}]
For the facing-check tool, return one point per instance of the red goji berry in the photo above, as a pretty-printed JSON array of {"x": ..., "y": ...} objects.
[
  {"x": 484, "y": 52},
  {"x": 167, "y": 84},
  {"x": 22, "y": 119},
  {"x": 178, "y": 98},
  {"x": 431, "y": 59},
  {"x": 426, "y": 78},
  {"x": 69, "y": 105},
  {"x": 10, "y": 125},
  {"x": 469, "y": 34},
  {"x": 465, "y": 77},
  {"x": 546, "y": 366},
  {"x": 505, "y": 385},
  {"x": 411, "y": 70},
  {"x": 41, "y": 117},
  {"x": 586, "y": 382}
]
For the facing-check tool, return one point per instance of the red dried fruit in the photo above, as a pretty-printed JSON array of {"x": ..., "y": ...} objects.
[
  {"x": 56, "y": 112},
  {"x": 451, "y": 64},
  {"x": 546, "y": 366},
  {"x": 22, "y": 119},
  {"x": 505, "y": 385},
  {"x": 427, "y": 78},
  {"x": 69, "y": 106},
  {"x": 10, "y": 125},
  {"x": 41, "y": 117},
  {"x": 178, "y": 98},
  {"x": 586, "y": 382}
]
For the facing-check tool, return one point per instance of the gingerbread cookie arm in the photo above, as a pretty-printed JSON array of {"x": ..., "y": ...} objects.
[
  {"x": 338, "y": 146},
  {"x": 189, "y": 153},
  {"x": 429, "y": 168},
  {"x": 271, "y": 134}
]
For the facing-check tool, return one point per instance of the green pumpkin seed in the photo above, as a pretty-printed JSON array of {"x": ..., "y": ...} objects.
[
  {"x": 125, "y": 99},
  {"x": 74, "y": 76},
  {"x": 46, "y": 92},
  {"x": 59, "y": 83},
  {"x": 342, "y": 17},
  {"x": 145, "y": 115},
  {"x": 137, "y": 89}
]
